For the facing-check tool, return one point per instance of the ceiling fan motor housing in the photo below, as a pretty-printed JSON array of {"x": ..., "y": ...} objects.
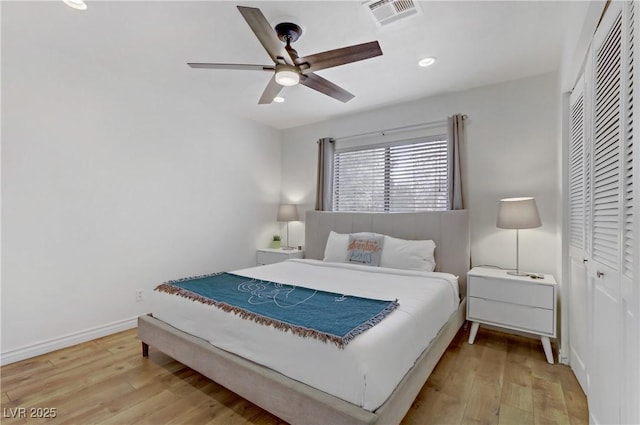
[{"x": 288, "y": 31}]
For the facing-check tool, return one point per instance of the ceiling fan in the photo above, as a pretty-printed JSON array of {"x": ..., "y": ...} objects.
[{"x": 289, "y": 69}]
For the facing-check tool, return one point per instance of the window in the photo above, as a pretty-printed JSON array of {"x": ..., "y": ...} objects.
[{"x": 404, "y": 176}]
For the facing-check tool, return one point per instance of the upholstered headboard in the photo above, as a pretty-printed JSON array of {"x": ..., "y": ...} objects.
[{"x": 448, "y": 229}]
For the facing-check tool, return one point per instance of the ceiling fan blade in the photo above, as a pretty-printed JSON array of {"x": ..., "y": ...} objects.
[
  {"x": 239, "y": 66},
  {"x": 270, "y": 92},
  {"x": 265, "y": 33},
  {"x": 341, "y": 56},
  {"x": 316, "y": 82}
]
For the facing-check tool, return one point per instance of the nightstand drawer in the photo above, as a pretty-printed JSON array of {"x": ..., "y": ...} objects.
[
  {"x": 269, "y": 257},
  {"x": 537, "y": 320},
  {"x": 512, "y": 291}
]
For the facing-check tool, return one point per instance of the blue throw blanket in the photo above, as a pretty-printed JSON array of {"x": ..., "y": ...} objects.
[{"x": 306, "y": 312}]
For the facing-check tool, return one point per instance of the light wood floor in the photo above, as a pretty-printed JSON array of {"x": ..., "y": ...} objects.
[{"x": 501, "y": 379}]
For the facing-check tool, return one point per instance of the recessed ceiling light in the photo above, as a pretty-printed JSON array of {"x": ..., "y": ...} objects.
[
  {"x": 427, "y": 61},
  {"x": 278, "y": 99},
  {"x": 76, "y": 4}
]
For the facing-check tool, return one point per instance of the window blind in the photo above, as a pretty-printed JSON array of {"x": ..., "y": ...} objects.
[{"x": 402, "y": 176}]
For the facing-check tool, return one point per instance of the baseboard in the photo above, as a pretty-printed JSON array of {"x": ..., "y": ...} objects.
[{"x": 64, "y": 341}]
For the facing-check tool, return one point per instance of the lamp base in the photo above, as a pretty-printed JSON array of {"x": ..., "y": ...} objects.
[
  {"x": 288, "y": 248},
  {"x": 517, "y": 273}
]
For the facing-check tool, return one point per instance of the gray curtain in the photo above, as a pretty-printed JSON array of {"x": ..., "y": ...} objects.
[
  {"x": 324, "y": 186},
  {"x": 456, "y": 133}
]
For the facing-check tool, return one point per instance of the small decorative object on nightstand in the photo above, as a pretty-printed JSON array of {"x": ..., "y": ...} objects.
[
  {"x": 270, "y": 255},
  {"x": 521, "y": 303}
]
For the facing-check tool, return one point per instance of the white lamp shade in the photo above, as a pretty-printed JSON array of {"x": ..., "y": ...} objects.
[
  {"x": 518, "y": 213},
  {"x": 287, "y": 212}
]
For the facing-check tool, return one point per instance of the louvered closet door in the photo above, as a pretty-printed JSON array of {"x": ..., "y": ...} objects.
[
  {"x": 630, "y": 265},
  {"x": 605, "y": 237},
  {"x": 578, "y": 185}
]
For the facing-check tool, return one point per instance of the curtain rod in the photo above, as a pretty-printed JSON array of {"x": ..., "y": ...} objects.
[{"x": 391, "y": 130}]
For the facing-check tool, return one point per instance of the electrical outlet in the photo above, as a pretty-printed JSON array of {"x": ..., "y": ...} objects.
[{"x": 139, "y": 295}]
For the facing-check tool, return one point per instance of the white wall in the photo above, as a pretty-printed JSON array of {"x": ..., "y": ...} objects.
[
  {"x": 110, "y": 185},
  {"x": 512, "y": 150},
  {"x": 582, "y": 20}
]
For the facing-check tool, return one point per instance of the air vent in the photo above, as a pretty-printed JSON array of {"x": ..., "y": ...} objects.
[{"x": 385, "y": 12}]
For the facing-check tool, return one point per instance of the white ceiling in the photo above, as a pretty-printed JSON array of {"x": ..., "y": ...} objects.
[{"x": 476, "y": 42}]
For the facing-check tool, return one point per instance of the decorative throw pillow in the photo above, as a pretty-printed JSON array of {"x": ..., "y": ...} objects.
[
  {"x": 408, "y": 255},
  {"x": 365, "y": 250}
]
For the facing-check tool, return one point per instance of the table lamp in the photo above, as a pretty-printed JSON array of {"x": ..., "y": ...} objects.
[
  {"x": 518, "y": 213},
  {"x": 287, "y": 212}
]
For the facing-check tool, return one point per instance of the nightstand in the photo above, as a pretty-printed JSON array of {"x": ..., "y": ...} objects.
[
  {"x": 512, "y": 302},
  {"x": 271, "y": 255}
]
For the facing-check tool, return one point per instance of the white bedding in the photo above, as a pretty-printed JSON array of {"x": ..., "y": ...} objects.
[{"x": 368, "y": 369}]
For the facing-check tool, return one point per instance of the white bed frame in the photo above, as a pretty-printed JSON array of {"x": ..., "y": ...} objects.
[{"x": 296, "y": 402}]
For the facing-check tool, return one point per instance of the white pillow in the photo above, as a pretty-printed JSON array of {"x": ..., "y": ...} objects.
[
  {"x": 408, "y": 255},
  {"x": 337, "y": 247}
]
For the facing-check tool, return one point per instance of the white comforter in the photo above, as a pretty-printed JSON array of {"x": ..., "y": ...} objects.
[{"x": 368, "y": 369}]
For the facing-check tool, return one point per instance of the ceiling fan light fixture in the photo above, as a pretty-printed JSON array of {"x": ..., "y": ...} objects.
[
  {"x": 425, "y": 62},
  {"x": 76, "y": 4},
  {"x": 287, "y": 75}
]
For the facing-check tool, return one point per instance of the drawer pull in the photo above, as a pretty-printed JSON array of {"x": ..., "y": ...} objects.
[
  {"x": 599, "y": 273},
  {"x": 585, "y": 261}
]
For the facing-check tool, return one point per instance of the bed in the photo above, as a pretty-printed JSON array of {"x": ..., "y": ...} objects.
[{"x": 285, "y": 393}]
